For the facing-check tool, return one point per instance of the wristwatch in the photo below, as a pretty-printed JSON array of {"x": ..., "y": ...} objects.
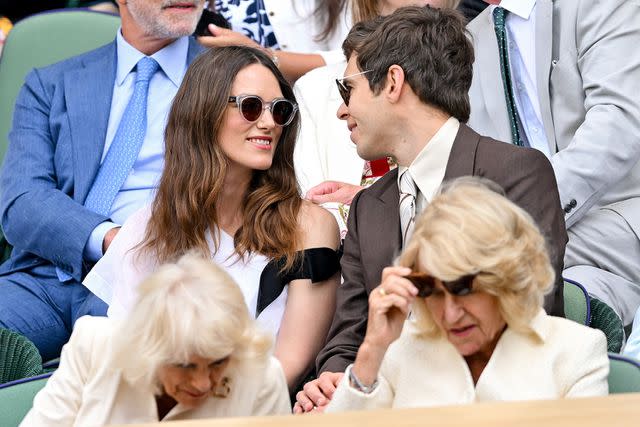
[{"x": 355, "y": 382}]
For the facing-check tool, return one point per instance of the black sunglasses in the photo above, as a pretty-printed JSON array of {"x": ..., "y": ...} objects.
[
  {"x": 251, "y": 108},
  {"x": 426, "y": 283},
  {"x": 344, "y": 90}
]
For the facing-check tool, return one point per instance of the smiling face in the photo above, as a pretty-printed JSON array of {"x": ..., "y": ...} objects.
[
  {"x": 192, "y": 383},
  {"x": 165, "y": 19},
  {"x": 472, "y": 323},
  {"x": 365, "y": 115},
  {"x": 251, "y": 145}
]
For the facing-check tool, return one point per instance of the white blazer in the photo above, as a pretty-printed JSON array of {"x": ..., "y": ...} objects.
[
  {"x": 569, "y": 361},
  {"x": 324, "y": 150},
  {"x": 87, "y": 390}
]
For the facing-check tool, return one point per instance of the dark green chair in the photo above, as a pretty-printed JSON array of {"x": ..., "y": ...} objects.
[
  {"x": 580, "y": 307},
  {"x": 16, "y": 398},
  {"x": 624, "y": 374},
  {"x": 19, "y": 357}
]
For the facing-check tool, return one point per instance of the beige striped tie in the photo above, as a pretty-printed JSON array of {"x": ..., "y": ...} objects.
[{"x": 408, "y": 193}]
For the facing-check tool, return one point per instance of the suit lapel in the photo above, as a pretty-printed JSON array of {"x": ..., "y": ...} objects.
[
  {"x": 463, "y": 154},
  {"x": 382, "y": 241},
  {"x": 88, "y": 93},
  {"x": 488, "y": 61},
  {"x": 544, "y": 33}
]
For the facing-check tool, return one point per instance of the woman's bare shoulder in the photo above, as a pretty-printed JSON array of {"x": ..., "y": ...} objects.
[{"x": 318, "y": 227}]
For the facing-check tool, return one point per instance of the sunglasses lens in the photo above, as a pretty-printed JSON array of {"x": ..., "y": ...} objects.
[
  {"x": 423, "y": 282},
  {"x": 461, "y": 286},
  {"x": 344, "y": 92},
  {"x": 251, "y": 108},
  {"x": 282, "y": 111}
]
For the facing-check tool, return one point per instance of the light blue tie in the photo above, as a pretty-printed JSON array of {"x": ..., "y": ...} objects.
[{"x": 125, "y": 147}]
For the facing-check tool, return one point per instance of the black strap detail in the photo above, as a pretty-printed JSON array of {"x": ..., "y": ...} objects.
[{"x": 318, "y": 264}]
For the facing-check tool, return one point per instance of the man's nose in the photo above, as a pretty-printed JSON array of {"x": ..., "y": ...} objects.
[{"x": 343, "y": 112}]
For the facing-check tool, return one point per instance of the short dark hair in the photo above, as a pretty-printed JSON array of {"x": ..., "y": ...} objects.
[
  {"x": 359, "y": 33},
  {"x": 431, "y": 46}
]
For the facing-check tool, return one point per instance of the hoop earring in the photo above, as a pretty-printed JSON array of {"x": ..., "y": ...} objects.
[{"x": 223, "y": 389}]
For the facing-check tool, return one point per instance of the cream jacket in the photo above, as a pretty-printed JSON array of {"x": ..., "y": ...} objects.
[
  {"x": 570, "y": 360},
  {"x": 87, "y": 390}
]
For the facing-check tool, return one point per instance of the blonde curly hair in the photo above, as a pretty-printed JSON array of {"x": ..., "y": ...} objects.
[
  {"x": 471, "y": 228},
  {"x": 188, "y": 308}
]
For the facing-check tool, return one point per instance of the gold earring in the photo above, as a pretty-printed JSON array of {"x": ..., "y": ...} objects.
[{"x": 223, "y": 389}]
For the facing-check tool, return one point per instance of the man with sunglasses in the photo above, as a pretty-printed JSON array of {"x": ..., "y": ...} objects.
[
  {"x": 405, "y": 96},
  {"x": 85, "y": 151}
]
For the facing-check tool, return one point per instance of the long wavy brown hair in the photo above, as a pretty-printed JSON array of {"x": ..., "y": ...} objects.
[{"x": 186, "y": 206}]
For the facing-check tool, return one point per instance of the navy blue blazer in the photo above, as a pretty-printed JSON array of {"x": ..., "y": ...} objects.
[{"x": 55, "y": 146}]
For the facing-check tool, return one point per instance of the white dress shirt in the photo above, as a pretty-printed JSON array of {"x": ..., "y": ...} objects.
[{"x": 429, "y": 166}]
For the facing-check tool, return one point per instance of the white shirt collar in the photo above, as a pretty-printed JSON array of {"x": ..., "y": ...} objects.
[
  {"x": 522, "y": 8},
  {"x": 168, "y": 58},
  {"x": 429, "y": 166}
]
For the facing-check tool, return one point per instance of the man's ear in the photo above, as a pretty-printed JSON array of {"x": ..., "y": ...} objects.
[{"x": 395, "y": 82}]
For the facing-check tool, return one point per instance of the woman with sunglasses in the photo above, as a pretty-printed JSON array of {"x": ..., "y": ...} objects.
[
  {"x": 472, "y": 280},
  {"x": 229, "y": 191}
]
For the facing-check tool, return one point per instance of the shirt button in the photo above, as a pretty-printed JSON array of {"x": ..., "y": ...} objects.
[
  {"x": 272, "y": 13},
  {"x": 284, "y": 46},
  {"x": 573, "y": 203}
]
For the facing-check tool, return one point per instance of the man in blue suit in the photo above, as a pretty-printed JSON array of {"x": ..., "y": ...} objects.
[{"x": 67, "y": 117}]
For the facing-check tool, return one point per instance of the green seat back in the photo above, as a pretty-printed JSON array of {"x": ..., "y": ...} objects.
[
  {"x": 576, "y": 303},
  {"x": 605, "y": 318},
  {"x": 16, "y": 400},
  {"x": 19, "y": 357},
  {"x": 44, "y": 39},
  {"x": 590, "y": 311},
  {"x": 624, "y": 374}
]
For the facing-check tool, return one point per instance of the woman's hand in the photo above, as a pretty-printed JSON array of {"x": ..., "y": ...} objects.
[
  {"x": 389, "y": 306},
  {"x": 225, "y": 37}
]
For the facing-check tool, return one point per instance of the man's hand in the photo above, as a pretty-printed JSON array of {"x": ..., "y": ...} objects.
[
  {"x": 224, "y": 37},
  {"x": 108, "y": 238},
  {"x": 333, "y": 191},
  {"x": 316, "y": 394}
]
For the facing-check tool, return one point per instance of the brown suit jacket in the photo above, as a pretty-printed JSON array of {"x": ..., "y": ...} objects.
[{"x": 373, "y": 239}]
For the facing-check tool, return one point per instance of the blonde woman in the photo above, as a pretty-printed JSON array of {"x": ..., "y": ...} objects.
[
  {"x": 187, "y": 350},
  {"x": 473, "y": 275}
]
